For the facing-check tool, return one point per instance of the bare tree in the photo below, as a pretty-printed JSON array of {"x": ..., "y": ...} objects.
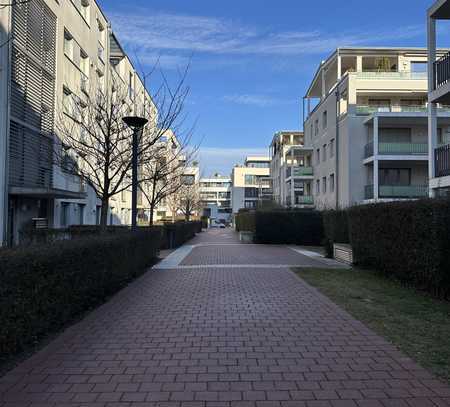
[
  {"x": 189, "y": 200},
  {"x": 95, "y": 144},
  {"x": 162, "y": 174}
]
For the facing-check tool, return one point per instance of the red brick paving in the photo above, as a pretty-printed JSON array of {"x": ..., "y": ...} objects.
[{"x": 220, "y": 338}]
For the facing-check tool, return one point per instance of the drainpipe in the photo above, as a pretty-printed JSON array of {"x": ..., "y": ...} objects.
[{"x": 336, "y": 178}]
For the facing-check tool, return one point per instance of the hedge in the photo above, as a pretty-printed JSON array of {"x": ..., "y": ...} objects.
[
  {"x": 176, "y": 234},
  {"x": 335, "y": 225},
  {"x": 409, "y": 240},
  {"x": 283, "y": 227},
  {"x": 43, "y": 287}
]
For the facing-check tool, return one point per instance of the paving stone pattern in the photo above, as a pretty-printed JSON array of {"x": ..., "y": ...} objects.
[{"x": 220, "y": 338}]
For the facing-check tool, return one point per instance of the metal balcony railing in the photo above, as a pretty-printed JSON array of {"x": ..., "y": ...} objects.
[
  {"x": 441, "y": 71},
  {"x": 442, "y": 161}
]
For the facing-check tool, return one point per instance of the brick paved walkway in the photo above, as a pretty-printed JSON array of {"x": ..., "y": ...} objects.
[{"x": 220, "y": 337}]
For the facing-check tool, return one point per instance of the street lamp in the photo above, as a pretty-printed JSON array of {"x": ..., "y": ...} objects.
[{"x": 136, "y": 124}]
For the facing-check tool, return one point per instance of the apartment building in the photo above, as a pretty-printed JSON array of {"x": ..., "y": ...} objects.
[
  {"x": 438, "y": 95},
  {"x": 291, "y": 170},
  {"x": 54, "y": 52},
  {"x": 215, "y": 196},
  {"x": 366, "y": 122},
  {"x": 251, "y": 183}
]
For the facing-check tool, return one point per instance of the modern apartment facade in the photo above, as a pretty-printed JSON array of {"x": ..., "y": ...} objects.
[
  {"x": 291, "y": 170},
  {"x": 251, "y": 183},
  {"x": 368, "y": 128},
  {"x": 215, "y": 196},
  {"x": 438, "y": 94},
  {"x": 54, "y": 51}
]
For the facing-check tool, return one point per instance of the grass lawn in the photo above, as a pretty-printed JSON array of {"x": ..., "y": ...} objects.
[{"x": 414, "y": 322}]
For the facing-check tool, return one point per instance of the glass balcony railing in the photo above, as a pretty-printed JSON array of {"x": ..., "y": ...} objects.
[
  {"x": 397, "y": 191},
  {"x": 391, "y": 75},
  {"x": 368, "y": 110},
  {"x": 396, "y": 149},
  {"x": 304, "y": 200},
  {"x": 299, "y": 171}
]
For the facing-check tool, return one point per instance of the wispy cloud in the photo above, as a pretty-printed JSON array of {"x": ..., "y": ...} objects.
[
  {"x": 222, "y": 160},
  {"x": 175, "y": 35},
  {"x": 256, "y": 100}
]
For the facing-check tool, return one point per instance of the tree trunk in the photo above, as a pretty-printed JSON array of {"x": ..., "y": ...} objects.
[
  {"x": 152, "y": 210},
  {"x": 104, "y": 214}
]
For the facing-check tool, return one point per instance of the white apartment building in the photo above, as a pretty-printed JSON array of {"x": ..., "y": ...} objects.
[
  {"x": 53, "y": 51},
  {"x": 291, "y": 170},
  {"x": 368, "y": 127},
  {"x": 251, "y": 183},
  {"x": 438, "y": 94},
  {"x": 215, "y": 196}
]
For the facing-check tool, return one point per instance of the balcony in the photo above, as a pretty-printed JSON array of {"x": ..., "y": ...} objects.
[
  {"x": 299, "y": 172},
  {"x": 442, "y": 71},
  {"x": 368, "y": 110},
  {"x": 397, "y": 191},
  {"x": 394, "y": 75},
  {"x": 304, "y": 200},
  {"x": 442, "y": 161},
  {"x": 396, "y": 149}
]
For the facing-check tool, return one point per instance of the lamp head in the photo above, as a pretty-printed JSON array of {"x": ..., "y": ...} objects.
[{"x": 135, "y": 122}]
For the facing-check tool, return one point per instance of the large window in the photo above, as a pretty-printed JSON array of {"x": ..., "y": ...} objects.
[
  {"x": 251, "y": 192},
  {"x": 331, "y": 148},
  {"x": 258, "y": 164},
  {"x": 250, "y": 204},
  {"x": 332, "y": 185},
  {"x": 395, "y": 176}
]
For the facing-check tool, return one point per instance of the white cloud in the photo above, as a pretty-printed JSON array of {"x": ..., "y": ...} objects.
[
  {"x": 185, "y": 34},
  {"x": 222, "y": 160},
  {"x": 256, "y": 100}
]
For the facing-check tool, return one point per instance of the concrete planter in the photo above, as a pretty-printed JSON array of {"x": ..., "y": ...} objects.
[
  {"x": 246, "y": 237},
  {"x": 343, "y": 253}
]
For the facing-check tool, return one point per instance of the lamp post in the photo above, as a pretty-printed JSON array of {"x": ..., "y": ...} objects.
[{"x": 136, "y": 124}]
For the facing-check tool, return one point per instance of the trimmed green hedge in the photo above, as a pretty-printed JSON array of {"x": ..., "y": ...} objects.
[
  {"x": 335, "y": 225},
  {"x": 409, "y": 241},
  {"x": 176, "y": 234},
  {"x": 283, "y": 227},
  {"x": 43, "y": 287}
]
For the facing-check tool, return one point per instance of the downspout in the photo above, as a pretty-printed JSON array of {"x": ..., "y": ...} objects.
[{"x": 336, "y": 178}]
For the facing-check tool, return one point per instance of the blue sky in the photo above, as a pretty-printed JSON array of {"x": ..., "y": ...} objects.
[{"x": 252, "y": 60}]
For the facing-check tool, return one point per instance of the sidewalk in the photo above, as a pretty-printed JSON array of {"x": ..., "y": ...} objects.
[{"x": 250, "y": 335}]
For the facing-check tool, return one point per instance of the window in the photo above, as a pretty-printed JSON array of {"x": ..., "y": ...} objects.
[
  {"x": 130, "y": 86},
  {"x": 318, "y": 187},
  {"x": 81, "y": 210},
  {"x": 324, "y": 151},
  {"x": 381, "y": 105},
  {"x": 188, "y": 179},
  {"x": 98, "y": 212},
  {"x": 316, "y": 127},
  {"x": 251, "y": 192},
  {"x": 395, "y": 176},
  {"x": 324, "y": 185},
  {"x": 324, "y": 119},
  {"x": 332, "y": 148},
  {"x": 68, "y": 44},
  {"x": 318, "y": 156},
  {"x": 332, "y": 183},
  {"x": 250, "y": 204},
  {"x": 65, "y": 214}
]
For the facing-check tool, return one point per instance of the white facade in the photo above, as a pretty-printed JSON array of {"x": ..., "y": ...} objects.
[
  {"x": 215, "y": 196},
  {"x": 368, "y": 129},
  {"x": 77, "y": 53},
  {"x": 291, "y": 170},
  {"x": 438, "y": 93},
  {"x": 250, "y": 183}
]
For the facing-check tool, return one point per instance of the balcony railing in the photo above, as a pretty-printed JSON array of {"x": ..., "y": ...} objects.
[
  {"x": 368, "y": 110},
  {"x": 442, "y": 71},
  {"x": 304, "y": 200},
  {"x": 442, "y": 161},
  {"x": 391, "y": 75},
  {"x": 397, "y": 191},
  {"x": 299, "y": 171},
  {"x": 396, "y": 149}
]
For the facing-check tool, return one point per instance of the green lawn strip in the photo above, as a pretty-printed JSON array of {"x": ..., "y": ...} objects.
[{"x": 416, "y": 323}]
